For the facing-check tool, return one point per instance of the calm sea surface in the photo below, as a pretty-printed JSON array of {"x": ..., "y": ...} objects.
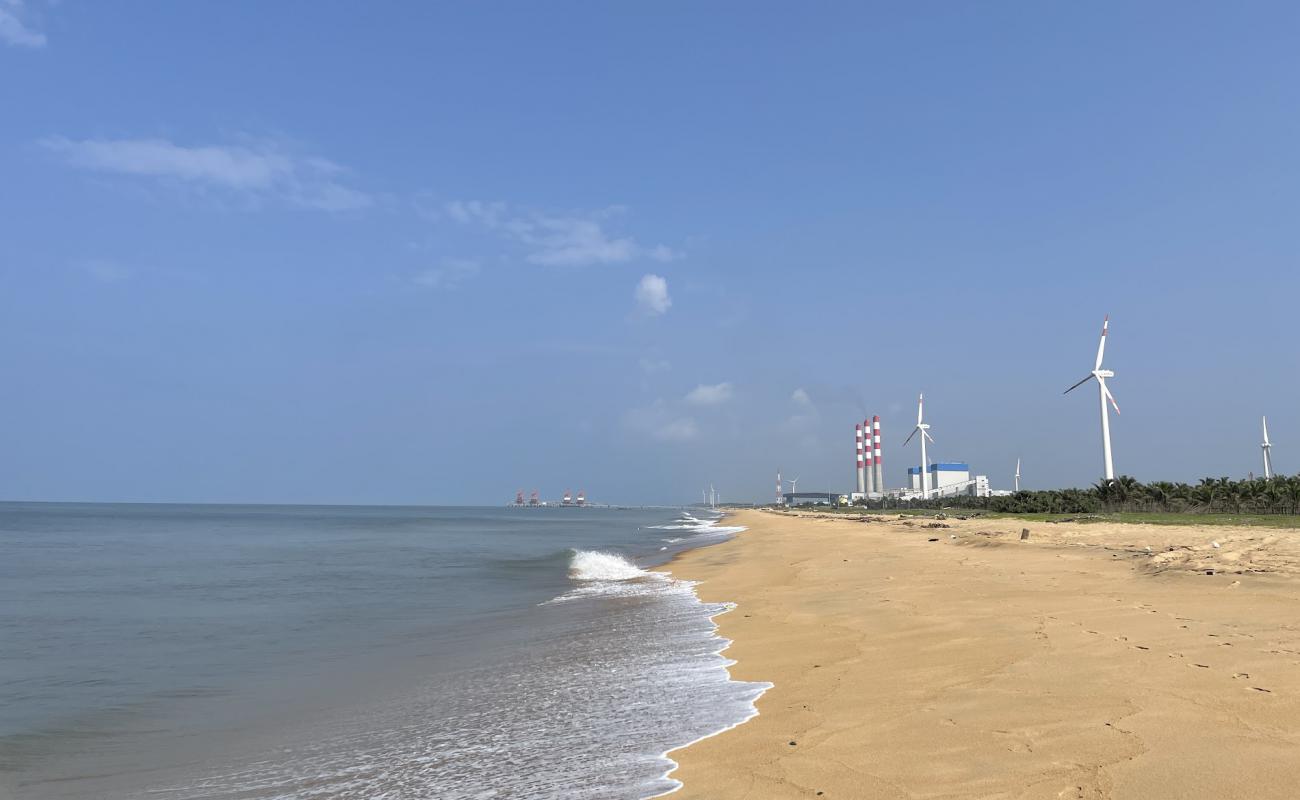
[{"x": 186, "y": 652}]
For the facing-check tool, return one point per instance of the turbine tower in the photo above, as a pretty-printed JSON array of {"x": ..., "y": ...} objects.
[
  {"x": 925, "y": 434},
  {"x": 1268, "y": 452},
  {"x": 1017, "y": 474},
  {"x": 1101, "y": 375}
]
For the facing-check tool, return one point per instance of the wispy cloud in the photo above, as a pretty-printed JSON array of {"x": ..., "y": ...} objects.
[
  {"x": 677, "y": 430},
  {"x": 258, "y": 169},
  {"x": 652, "y": 365},
  {"x": 706, "y": 395},
  {"x": 805, "y": 415},
  {"x": 447, "y": 275},
  {"x": 652, "y": 295},
  {"x": 562, "y": 240},
  {"x": 658, "y": 423},
  {"x": 13, "y": 30}
]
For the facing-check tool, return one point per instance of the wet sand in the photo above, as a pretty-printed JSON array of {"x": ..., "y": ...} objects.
[{"x": 1077, "y": 664}]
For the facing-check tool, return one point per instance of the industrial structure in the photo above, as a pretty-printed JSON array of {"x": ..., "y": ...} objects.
[
  {"x": 535, "y": 501},
  {"x": 1268, "y": 451},
  {"x": 1100, "y": 375},
  {"x": 937, "y": 479},
  {"x": 867, "y": 460}
]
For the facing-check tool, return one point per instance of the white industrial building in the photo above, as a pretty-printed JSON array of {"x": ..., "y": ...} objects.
[{"x": 946, "y": 479}]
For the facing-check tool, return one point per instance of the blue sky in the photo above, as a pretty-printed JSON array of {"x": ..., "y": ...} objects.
[{"x": 434, "y": 253}]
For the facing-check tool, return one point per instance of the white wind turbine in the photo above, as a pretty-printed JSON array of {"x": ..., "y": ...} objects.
[
  {"x": 1268, "y": 451},
  {"x": 925, "y": 434},
  {"x": 1101, "y": 375},
  {"x": 1017, "y": 474},
  {"x": 792, "y": 483}
]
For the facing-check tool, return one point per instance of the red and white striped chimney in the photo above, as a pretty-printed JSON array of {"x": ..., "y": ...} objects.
[
  {"x": 877, "y": 464},
  {"x": 862, "y": 467},
  {"x": 866, "y": 457},
  {"x": 779, "y": 497}
]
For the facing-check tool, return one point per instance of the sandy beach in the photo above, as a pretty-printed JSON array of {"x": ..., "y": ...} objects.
[{"x": 1090, "y": 661}]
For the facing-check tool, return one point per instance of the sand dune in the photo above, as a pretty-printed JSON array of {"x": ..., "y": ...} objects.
[{"x": 1093, "y": 660}]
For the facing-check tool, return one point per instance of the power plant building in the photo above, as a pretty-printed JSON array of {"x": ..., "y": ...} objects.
[{"x": 949, "y": 479}]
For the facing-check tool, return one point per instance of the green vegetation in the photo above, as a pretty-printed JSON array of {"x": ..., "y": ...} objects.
[{"x": 1273, "y": 502}]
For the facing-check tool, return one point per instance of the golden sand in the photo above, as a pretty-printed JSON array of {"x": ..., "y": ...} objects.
[{"x": 1077, "y": 664}]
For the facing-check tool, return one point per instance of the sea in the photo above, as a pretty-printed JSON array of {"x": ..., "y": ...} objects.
[{"x": 222, "y": 652}]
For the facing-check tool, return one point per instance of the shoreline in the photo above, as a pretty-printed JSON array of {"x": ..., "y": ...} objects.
[
  {"x": 1094, "y": 660},
  {"x": 724, "y": 645}
]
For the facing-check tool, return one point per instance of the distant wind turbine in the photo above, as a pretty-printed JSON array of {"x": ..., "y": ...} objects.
[
  {"x": 1101, "y": 375},
  {"x": 792, "y": 483},
  {"x": 925, "y": 434},
  {"x": 1268, "y": 452},
  {"x": 1017, "y": 474}
]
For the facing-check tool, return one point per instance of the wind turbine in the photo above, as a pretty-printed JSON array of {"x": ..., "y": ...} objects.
[
  {"x": 925, "y": 434},
  {"x": 1101, "y": 375},
  {"x": 1017, "y": 474},
  {"x": 792, "y": 483},
  {"x": 1268, "y": 452}
]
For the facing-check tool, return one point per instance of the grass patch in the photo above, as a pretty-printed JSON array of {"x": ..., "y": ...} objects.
[{"x": 1165, "y": 518}]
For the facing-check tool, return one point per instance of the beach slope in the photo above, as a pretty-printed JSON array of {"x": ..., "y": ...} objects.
[{"x": 1091, "y": 661}]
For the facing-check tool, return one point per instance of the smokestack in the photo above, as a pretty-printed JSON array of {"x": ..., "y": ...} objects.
[
  {"x": 862, "y": 467},
  {"x": 867, "y": 485},
  {"x": 778, "y": 487},
  {"x": 877, "y": 464}
]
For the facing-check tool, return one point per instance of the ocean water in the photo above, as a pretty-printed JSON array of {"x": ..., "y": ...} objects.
[{"x": 204, "y": 652}]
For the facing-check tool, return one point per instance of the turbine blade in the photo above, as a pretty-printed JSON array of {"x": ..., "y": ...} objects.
[
  {"x": 1109, "y": 396},
  {"x": 1101, "y": 346},
  {"x": 909, "y": 436},
  {"x": 1077, "y": 385},
  {"x": 1265, "y": 421},
  {"x": 927, "y": 435},
  {"x": 920, "y": 404}
]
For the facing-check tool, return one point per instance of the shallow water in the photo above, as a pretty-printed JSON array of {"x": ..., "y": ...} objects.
[{"x": 295, "y": 652}]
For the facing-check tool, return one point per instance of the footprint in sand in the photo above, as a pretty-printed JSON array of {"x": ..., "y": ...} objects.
[{"x": 1241, "y": 674}]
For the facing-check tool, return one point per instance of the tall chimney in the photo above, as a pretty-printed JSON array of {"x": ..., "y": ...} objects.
[
  {"x": 779, "y": 498},
  {"x": 862, "y": 467},
  {"x": 867, "y": 485},
  {"x": 877, "y": 465}
]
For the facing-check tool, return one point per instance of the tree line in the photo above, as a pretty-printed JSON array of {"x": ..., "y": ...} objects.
[{"x": 1277, "y": 495}]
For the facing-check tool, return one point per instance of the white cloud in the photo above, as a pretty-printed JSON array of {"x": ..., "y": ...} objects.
[
  {"x": 447, "y": 275},
  {"x": 563, "y": 240},
  {"x": 12, "y": 28},
  {"x": 704, "y": 395},
  {"x": 657, "y": 422},
  {"x": 801, "y": 398},
  {"x": 652, "y": 295},
  {"x": 257, "y": 169},
  {"x": 678, "y": 430}
]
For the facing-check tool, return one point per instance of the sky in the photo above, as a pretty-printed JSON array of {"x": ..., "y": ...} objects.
[{"x": 408, "y": 252}]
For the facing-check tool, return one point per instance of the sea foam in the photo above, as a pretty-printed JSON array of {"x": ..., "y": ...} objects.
[{"x": 597, "y": 565}]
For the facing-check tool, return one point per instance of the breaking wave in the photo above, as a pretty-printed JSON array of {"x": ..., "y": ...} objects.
[{"x": 597, "y": 565}]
